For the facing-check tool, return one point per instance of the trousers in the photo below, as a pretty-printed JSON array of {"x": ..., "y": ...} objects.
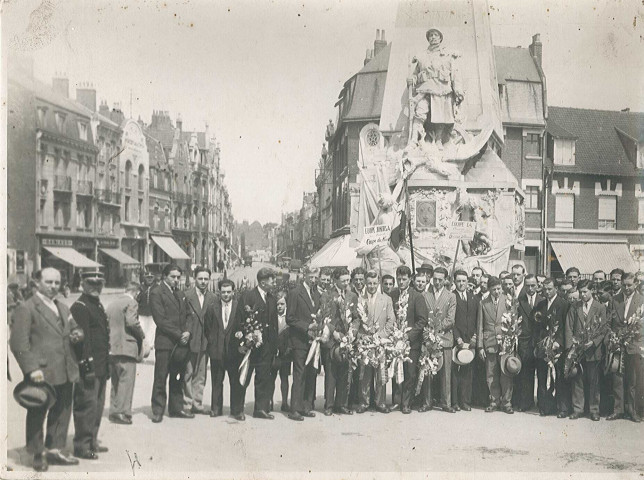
[
  {"x": 194, "y": 381},
  {"x": 369, "y": 376},
  {"x": 589, "y": 378},
  {"x": 625, "y": 386},
  {"x": 304, "y": 378},
  {"x": 500, "y": 385},
  {"x": 159, "y": 393},
  {"x": 123, "y": 376},
  {"x": 89, "y": 401},
  {"x": 58, "y": 417}
]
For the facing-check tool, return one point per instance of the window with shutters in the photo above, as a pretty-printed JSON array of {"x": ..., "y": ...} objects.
[
  {"x": 564, "y": 153},
  {"x": 607, "y": 214},
  {"x": 565, "y": 211}
]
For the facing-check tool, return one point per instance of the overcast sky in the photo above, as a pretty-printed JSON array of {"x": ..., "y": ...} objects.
[{"x": 265, "y": 75}]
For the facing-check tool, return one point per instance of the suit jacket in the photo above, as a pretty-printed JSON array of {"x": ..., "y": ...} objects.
[
  {"x": 417, "y": 315},
  {"x": 90, "y": 315},
  {"x": 442, "y": 310},
  {"x": 267, "y": 315},
  {"x": 576, "y": 322},
  {"x": 38, "y": 342},
  {"x": 195, "y": 315},
  {"x": 222, "y": 344},
  {"x": 543, "y": 317},
  {"x": 524, "y": 310},
  {"x": 619, "y": 317},
  {"x": 340, "y": 321},
  {"x": 381, "y": 316},
  {"x": 126, "y": 334},
  {"x": 169, "y": 315},
  {"x": 299, "y": 315},
  {"x": 465, "y": 317},
  {"x": 489, "y": 323}
]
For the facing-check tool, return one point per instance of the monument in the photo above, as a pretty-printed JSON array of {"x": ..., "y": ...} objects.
[{"x": 431, "y": 168}]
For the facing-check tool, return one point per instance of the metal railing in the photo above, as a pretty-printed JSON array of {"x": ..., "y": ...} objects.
[{"x": 107, "y": 196}]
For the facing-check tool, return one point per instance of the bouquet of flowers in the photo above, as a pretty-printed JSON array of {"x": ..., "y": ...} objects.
[
  {"x": 594, "y": 328},
  {"x": 370, "y": 347},
  {"x": 318, "y": 333},
  {"x": 431, "y": 354},
  {"x": 551, "y": 350},
  {"x": 396, "y": 354},
  {"x": 250, "y": 337},
  {"x": 624, "y": 335},
  {"x": 510, "y": 331},
  {"x": 401, "y": 307}
]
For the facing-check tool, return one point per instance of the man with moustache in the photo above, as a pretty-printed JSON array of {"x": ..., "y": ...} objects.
[
  {"x": 43, "y": 333},
  {"x": 411, "y": 311}
]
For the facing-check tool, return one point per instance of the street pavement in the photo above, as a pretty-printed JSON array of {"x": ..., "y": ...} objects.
[{"x": 372, "y": 442}]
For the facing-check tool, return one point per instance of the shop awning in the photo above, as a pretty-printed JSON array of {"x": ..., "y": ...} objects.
[
  {"x": 120, "y": 256},
  {"x": 336, "y": 253},
  {"x": 73, "y": 257},
  {"x": 169, "y": 246},
  {"x": 590, "y": 257}
]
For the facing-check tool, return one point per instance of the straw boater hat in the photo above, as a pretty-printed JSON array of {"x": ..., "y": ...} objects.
[
  {"x": 462, "y": 356},
  {"x": 510, "y": 364}
]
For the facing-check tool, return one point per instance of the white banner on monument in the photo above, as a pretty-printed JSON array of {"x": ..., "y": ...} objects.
[
  {"x": 461, "y": 230},
  {"x": 376, "y": 235}
]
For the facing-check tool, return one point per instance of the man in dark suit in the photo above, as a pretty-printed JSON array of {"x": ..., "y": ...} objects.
[
  {"x": 126, "y": 347},
  {"x": 467, "y": 305},
  {"x": 623, "y": 306},
  {"x": 42, "y": 334},
  {"x": 261, "y": 300},
  {"x": 489, "y": 320},
  {"x": 584, "y": 311},
  {"x": 145, "y": 313},
  {"x": 303, "y": 303},
  {"x": 411, "y": 311},
  {"x": 550, "y": 313},
  {"x": 220, "y": 324},
  {"x": 169, "y": 313},
  {"x": 198, "y": 298},
  {"x": 523, "y": 391},
  {"x": 441, "y": 303},
  {"x": 89, "y": 393}
]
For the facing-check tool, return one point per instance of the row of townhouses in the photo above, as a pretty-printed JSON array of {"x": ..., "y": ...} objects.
[
  {"x": 89, "y": 186},
  {"x": 580, "y": 170}
]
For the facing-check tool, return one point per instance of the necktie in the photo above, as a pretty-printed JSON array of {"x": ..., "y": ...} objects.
[
  {"x": 226, "y": 315},
  {"x": 463, "y": 296},
  {"x": 531, "y": 300},
  {"x": 61, "y": 323}
]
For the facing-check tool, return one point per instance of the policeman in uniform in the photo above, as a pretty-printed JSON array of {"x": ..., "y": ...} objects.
[{"x": 89, "y": 393}]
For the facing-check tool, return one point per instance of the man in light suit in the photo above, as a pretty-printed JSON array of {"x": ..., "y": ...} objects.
[
  {"x": 220, "y": 325},
  {"x": 491, "y": 311},
  {"x": 624, "y": 305},
  {"x": 168, "y": 307},
  {"x": 42, "y": 333},
  {"x": 198, "y": 298},
  {"x": 441, "y": 304},
  {"x": 126, "y": 347},
  {"x": 381, "y": 318},
  {"x": 584, "y": 311},
  {"x": 302, "y": 302}
]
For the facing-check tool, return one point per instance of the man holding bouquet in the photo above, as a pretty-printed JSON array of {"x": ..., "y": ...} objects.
[
  {"x": 379, "y": 321},
  {"x": 303, "y": 302}
]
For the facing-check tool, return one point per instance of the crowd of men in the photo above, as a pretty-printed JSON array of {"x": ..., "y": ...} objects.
[{"x": 74, "y": 352}]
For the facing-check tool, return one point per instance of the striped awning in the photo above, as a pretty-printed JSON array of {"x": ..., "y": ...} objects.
[
  {"x": 589, "y": 257},
  {"x": 121, "y": 257},
  {"x": 169, "y": 246},
  {"x": 73, "y": 257}
]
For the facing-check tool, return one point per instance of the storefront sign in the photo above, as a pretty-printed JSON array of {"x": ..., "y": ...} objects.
[
  {"x": 108, "y": 242},
  {"x": 57, "y": 242}
]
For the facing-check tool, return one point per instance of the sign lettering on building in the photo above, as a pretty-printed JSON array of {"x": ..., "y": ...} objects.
[
  {"x": 461, "y": 230},
  {"x": 58, "y": 242},
  {"x": 376, "y": 235}
]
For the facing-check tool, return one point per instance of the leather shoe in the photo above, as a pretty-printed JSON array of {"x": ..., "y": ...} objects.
[
  {"x": 635, "y": 418},
  {"x": 263, "y": 415},
  {"x": 328, "y": 412},
  {"x": 508, "y": 410},
  {"x": 543, "y": 414},
  {"x": 361, "y": 409},
  {"x": 406, "y": 410},
  {"x": 562, "y": 415},
  {"x": 240, "y": 417},
  {"x": 383, "y": 409},
  {"x": 490, "y": 408},
  {"x": 157, "y": 418},
  {"x": 295, "y": 416},
  {"x": 308, "y": 414},
  {"x": 86, "y": 455},
  {"x": 40, "y": 463},
  {"x": 215, "y": 414},
  {"x": 182, "y": 414},
  {"x": 101, "y": 449},
  {"x": 594, "y": 417},
  {"x": 57, "y": 458},
  {"x": 344, "y": 411},
  {"x": 467, "y": 409},
  {"x": 615, "y": 416},
  {"x": 200, "y": 411},
  {"x": 574, "y": 416},
  {"x": 285, "y": 407},
  {"x": 120, "y": 418},
  {"x": 448, "y": 410},
  {"x": 424, "y": 408},
  {"x": 456, "y": 408}
]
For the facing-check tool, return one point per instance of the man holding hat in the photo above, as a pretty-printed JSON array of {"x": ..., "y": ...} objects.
[
  {"x": 467, "y": 305},
  {"x": 489, "y": 320},
  {"x": 168, "y": 307},
  {"x": 89, "y": 393},
  {"x": 42, "y": 334}
]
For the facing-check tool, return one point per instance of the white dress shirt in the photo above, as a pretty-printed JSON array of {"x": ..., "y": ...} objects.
[
  {"x": 49, "y": 302},
  {"x": 225, "y": 313},
  {"x": 550, "y": 300},
  {"x": 200, "y": 297}
]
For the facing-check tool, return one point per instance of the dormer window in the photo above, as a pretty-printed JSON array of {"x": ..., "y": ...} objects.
[
  {"x": 564, "y": 151},
  {"x": 42, "y": 112},
  {"x": 60, "y": 121},
  {"x": 82, "y": 131}
]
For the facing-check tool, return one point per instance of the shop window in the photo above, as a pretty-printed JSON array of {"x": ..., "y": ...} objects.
[
  {"x": 607, "y": 213},
  {"x": 565, "y": 211}
]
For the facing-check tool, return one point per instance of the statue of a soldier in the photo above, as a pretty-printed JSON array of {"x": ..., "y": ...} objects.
[{"x": 435, "y": 91}]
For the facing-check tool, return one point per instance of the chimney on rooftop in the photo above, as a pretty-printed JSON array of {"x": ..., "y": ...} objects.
[
  {"x": 103, "y": 109},
  {"x": 60, "y": 85},
  {"x": 379, "y": 43},
  {"x": 117, "y": 115},
  {"x": 86, "y": 95},
  {"x": 179, "y": 123},
  {"x": 536, "y": 48}
]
